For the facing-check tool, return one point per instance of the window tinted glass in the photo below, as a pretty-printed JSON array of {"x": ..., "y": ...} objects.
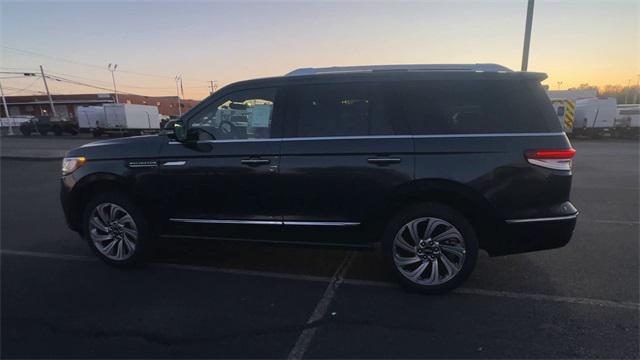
[
  {"x": 469, "y": 107},
  {"x": 342, "y": 110},
  {"x": 240, "y": 115}
]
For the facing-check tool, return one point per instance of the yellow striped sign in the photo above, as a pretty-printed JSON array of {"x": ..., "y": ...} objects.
[{"x": 569, "y": 114}]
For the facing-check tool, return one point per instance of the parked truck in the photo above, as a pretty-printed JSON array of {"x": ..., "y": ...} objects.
[
  {"x": 46, "y": 124},
  {"x": 119, "y": 119},
  {"x": 627, "y": 123},
  {"x": 595, "y": 117}
]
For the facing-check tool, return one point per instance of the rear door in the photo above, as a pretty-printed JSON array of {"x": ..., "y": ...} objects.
[{"x": 346, "y": 149}]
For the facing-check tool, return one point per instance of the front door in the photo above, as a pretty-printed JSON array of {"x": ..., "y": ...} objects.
[{"x": 227, "y": 181}]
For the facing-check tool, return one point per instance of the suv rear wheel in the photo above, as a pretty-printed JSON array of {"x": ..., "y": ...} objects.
[
  {"x": 116, "y": 229},
  {"x": 430, "y": 248}
]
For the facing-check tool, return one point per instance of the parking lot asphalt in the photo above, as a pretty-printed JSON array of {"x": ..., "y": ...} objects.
[
  {"x": 38, "y": 147},
  {"x": 238, "y": 300}
]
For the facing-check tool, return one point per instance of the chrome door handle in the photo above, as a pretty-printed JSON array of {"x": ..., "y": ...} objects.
[
  {"x": 383, "y": 160},
  {"x": 255, "y": 162}
]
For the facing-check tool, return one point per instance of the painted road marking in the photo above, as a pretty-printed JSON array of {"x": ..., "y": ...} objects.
[
  {"x": 287, "y": 276},
  {"x": 619, "y": 222},
  {"x": 304, "y": 340}
]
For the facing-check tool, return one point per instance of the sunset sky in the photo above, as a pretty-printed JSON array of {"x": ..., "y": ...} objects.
[{"x": 575, "y": 42}]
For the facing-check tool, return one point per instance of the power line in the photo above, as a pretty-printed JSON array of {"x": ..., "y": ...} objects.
[
  {"x": 29, "y": 52},
  {"x": 119, "y": 84},
  {"x": 68, "y": 79},
  {"x": 58, "y": 78}
]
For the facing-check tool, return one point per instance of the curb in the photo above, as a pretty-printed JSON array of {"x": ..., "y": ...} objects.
[{"x": 31, "y": 158}]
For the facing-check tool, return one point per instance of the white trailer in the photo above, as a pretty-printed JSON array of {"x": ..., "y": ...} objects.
[
  {"x": 627, "y": 123},
  {"x": 90, "y": 117},
  {"x": 595, "y": 116},
  {"x": 129, "y": 119}
]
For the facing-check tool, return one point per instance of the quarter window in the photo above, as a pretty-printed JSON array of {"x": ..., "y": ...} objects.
[
  {"x": 240, "y": 115},
  {"x": 477, "y": 106}
]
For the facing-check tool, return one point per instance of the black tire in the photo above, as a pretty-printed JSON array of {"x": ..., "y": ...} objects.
[
  {"x": 139, "y": 219},
  {"x": 96, "y": 133},
  {"x": 43, "y": 132},
  {"x": 25, "y": 131},
  {"x": 450, "y": 216},
  {"x": 57, "y": 131}
]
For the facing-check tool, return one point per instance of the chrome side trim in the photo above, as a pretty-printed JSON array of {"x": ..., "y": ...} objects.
[
  {"x": 264, "y": 222},
  {"x": 174, "y": 163},
  {"x": 321, "y": 223},
  {"x": 442, "y": 136},
  {"x": 229, "y": 141},
  {"x": 142, "y": 164},
  {"x": 237, "y": 222},
  {"x": 313, "y": 138},
  {"x": 557, "y": 218},
  {"x": 486, "y": 135}
]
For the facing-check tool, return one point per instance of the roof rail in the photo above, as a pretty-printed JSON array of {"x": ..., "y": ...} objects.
[{"x": 412, "y": 67}]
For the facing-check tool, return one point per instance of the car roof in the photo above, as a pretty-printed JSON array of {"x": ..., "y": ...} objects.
[{"x": 390, "y": 73}]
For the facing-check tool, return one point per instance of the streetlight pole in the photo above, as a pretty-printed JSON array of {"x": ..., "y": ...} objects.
[
  {"x": 6, "y": 110},
  {"x": 113, "y": 77},
  {"x": 46, "y": 87},
  {"x": 178, "y": 79},
  {"x": 527, "y": 36}
]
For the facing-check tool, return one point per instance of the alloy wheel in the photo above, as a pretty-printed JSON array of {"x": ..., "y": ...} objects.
[
  {"x": 113, "y": 231},
  {"x": 429, "y": 251}
]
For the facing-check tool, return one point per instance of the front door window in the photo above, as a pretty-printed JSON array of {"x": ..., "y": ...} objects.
[{"x": 240, "y": 115}]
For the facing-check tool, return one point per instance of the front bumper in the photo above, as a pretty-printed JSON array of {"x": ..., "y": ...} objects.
[{"x": 70, "y": 213}]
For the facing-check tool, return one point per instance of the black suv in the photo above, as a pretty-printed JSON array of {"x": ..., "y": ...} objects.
[{"x": 432, "y": 161}]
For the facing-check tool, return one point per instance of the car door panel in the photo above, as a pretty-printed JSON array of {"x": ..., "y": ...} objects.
[
  {"x": 218, "y": 185},
  {"x": 346, "y": 151}
]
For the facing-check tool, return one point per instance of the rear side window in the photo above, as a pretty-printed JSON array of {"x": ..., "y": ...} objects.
[
  {"x": 344, "y": 109},
  {"x": 474, "y": 107}
]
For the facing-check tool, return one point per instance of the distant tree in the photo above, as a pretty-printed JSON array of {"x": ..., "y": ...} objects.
[{"x": 623, "y": 94}]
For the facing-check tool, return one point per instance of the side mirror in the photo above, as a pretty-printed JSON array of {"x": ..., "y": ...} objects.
[{"x": 179, "y": 131}]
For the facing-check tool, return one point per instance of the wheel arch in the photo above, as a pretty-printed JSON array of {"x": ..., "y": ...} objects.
[
  {"x": 458, "y": 196},
  {"x": 89, "y": 186}
]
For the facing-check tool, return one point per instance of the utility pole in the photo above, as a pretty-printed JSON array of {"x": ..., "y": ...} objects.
[
  {"x": 178, "y": 79},
  {"x": 626, "y": 92},
  {"x": 44, "y": 78},
  {"x": 213, "y": 84},
  {"x": 6, "y": 110},
  {"x": 637, "y": 90},
  {"x": 527, "y": 36},
  {"x": 113, "y": 77}
]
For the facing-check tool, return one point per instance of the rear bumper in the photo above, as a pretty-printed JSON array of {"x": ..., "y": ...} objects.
[{"x": 534, "y": 234}]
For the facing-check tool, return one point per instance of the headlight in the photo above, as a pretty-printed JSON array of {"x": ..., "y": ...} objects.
[{"x": 71, "y": 164}]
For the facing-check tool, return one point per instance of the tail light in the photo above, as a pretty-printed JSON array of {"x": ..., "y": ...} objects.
[{"x": 551, "y": 159}]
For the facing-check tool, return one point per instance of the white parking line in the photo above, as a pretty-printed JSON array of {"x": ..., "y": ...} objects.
[
  {"x": 466, "y": 291},
  {"x": 619, "y": 222},
  {"x": 199, "y": 268},
  {"x": 304, "y": 340},
  {"x": 514, "y": 295}
]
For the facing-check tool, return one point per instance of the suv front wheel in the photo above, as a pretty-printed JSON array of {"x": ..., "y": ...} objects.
[
  {"x": 430, "y": 248},
  {"x": 115, "y": 228}
]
